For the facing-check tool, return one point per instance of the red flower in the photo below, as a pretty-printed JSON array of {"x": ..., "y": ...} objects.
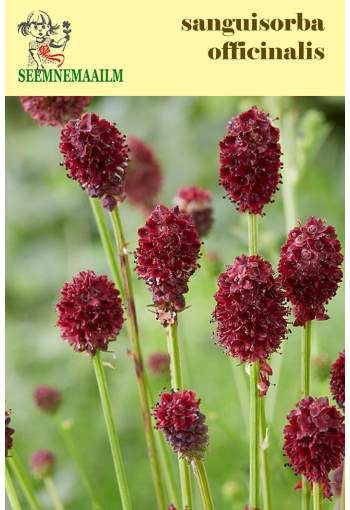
[
  {"x": 167, "y": 256},
  {"x": 315, "y": 440},
  {"x": 8, "y": 433},
  {"x": 144, "y": 176},
  {"x": 54, "y": 110},
  {"x": 250, "y": 310},
  {"x": 96, "y": 156},
  {"x": 42, "y": 464},
  {"x": 338, "y": 380},
  {"x": 309, "y": 269},
  {"x": 250, "y": 161},
  {"x": 90, "y": 312},
  {"x": 182, "y": 423},
  {"x": 158, "y": 363},
  {"x": 47, "y": 398},
  {"x": 197, "y": 202}
]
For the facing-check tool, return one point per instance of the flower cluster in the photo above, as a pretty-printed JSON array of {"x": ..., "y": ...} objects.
[
  {"x": 96, "y": 156},
  {"x": 158, "y": 363},
  {"x": 179, "y": 418},
  {"x": 8, "y": 433},
  {"x": 144, "y": 176},
  {"x": 90, "y": 312},
  {"x": 54, "y": 110},
  {"x": 250, "y": 161},
  {"x": 47, "y": 398},
  {"x": 42, "y": 464},
  {"x": 315, "y": 440},
  {"x": 197, "y": 202},
  {"x": 250, "y": 310},
  {"x": 338, "y": 380},
  {"x": 309, "y": 269},
  {"x": 167, "y": 256}
]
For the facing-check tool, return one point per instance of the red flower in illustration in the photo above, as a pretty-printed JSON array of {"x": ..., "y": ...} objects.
[
  {"x": 338, "y": 380},
  {"x": 197, "y": 202},
  {"x": 54, "y": 110}
]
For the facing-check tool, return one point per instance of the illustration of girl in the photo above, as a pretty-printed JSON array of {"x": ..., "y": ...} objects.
[{"x": 39, "y": 26}]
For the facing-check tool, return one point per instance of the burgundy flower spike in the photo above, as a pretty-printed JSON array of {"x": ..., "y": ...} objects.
[
  {"x": 166, "y": 258},
  {"x": 47, "y": 398},
  {"x": 182, "y": 423},
  {"x": 90, "y": 312},
  {"x": 8, "y": 433},
  {"x": 315, "y": 440},
  {"x": 309, "y": 269},
  {"x": 144, "y": 176},
  {"x": 197, "y": 202},
  {"x": 250, "y": 310},
  {"x": 54, "y": 110},
  {"x": 338, "y": 380},
  {"x": 250, "y": 161},
  {"x": 42, "y": 464},
  {"x": 96, "y": 156}
]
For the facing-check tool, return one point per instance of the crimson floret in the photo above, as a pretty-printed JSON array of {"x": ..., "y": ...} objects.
[
  {"x": 8, "y": 433},
  {"x": 90, "y": 312},
  {"x": 179, "y": 418},
  {"x": 250, "y": 310},
  {"x": 309, "y": 269},
  {"x": 315, "y": 440},
  {"x": 337, "y": 385},
  {"x": 54, "y": 110},
  {"x": 96, "y": 156},
  {"x": 47, "y": 398},
  {"x": 250, "y": 161},
  {"x": 197, "y": 202}
]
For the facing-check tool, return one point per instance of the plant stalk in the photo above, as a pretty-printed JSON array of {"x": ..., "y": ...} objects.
[
  {"x": 117, "y": 459},
  {"x": 51, "y": 489},
  {"x": 305, "y": 392},
  {"x": 342, "y": 497},
  {"x": 74, "y": 453},
  {"x": 23, "y": 480},
  {"x": 265, "y": 471},
  {"x": 137, "y": 355},
  {"x": 10, "y": 490},
  {"x": 318, "y": 495},
  {"x": 176, "y": 383},
  {"x": 203, "y": 484}
]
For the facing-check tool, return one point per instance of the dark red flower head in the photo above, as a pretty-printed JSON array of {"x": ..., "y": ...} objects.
[
  {"x": 8, "y": 433},
  {"x": 167, "y": 256},
  {"x": 54, "y": 110},
  {"x": 315, "y": 440},
  {"x": 47, "y": 398},
  {"x": 250, "y": 310},
  {"x": 90, "y": 312},
  {"x": 197, "y": 202},
  {"x": 96, "y": 156},
  {"x": 182, "y": 423},
  {"x": 338, "y": 380},
  {"x": 309, "y": 269},
  {"x": 144, "y": 176},
  {"x": 158, "y": 363},
  {"x": 250, "y": 160},
  {"x": 42, "y": 464}
]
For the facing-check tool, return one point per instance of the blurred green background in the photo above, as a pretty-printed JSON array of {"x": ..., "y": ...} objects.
[{"x": 51, "y": 236}]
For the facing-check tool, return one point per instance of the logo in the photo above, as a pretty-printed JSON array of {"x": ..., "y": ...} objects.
[{"x": 42, "y": 31}]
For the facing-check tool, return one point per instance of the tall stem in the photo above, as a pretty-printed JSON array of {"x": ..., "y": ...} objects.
[
  {"x": 342, "y": 497},
  {"x": 106, "y": 243},
  {"x": 137, "y": 354},
  {"x": 23, "y": 481},
  {"x": 176, "y": 382},
  {"x": 203, "y": 484},
  {"x": 305, "y": 392},
  {"x": 51, "y": 489},
  {"x": 318, "y": 495},
  {"x": 265, "y": 471},
  {"x": 10, "y": 490},
  {"x": 117, "y": 459},
  {"x": 74, "y": 453}
]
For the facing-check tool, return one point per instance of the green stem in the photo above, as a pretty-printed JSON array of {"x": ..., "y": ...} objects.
[
  {"x": 342, "y": 497},
  {"x": 51, "y": 489},
  {"x": 107, "y": 243},
  {"x": 10, "y": 490},
  {"x": 203, "y": 484},
  {"x": 254, "y": 436},
  {"x": 318, "y": 495},
  {"x": 117, "y": 459},
  {"x": 74, "y": 453},
  {"x": 305, "y": 495},
  {"x": 23, "y": 480},
  {"x": 137, "y": 355},
  {"x": 253, "y": 234},
  {"x": 176, "y": 383},
  {"x": 239, "y": 376},
  {"x": 265, "y": 472},
  {"x": 208, "y": 270},
  {"x": 305, "y": 392}
]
